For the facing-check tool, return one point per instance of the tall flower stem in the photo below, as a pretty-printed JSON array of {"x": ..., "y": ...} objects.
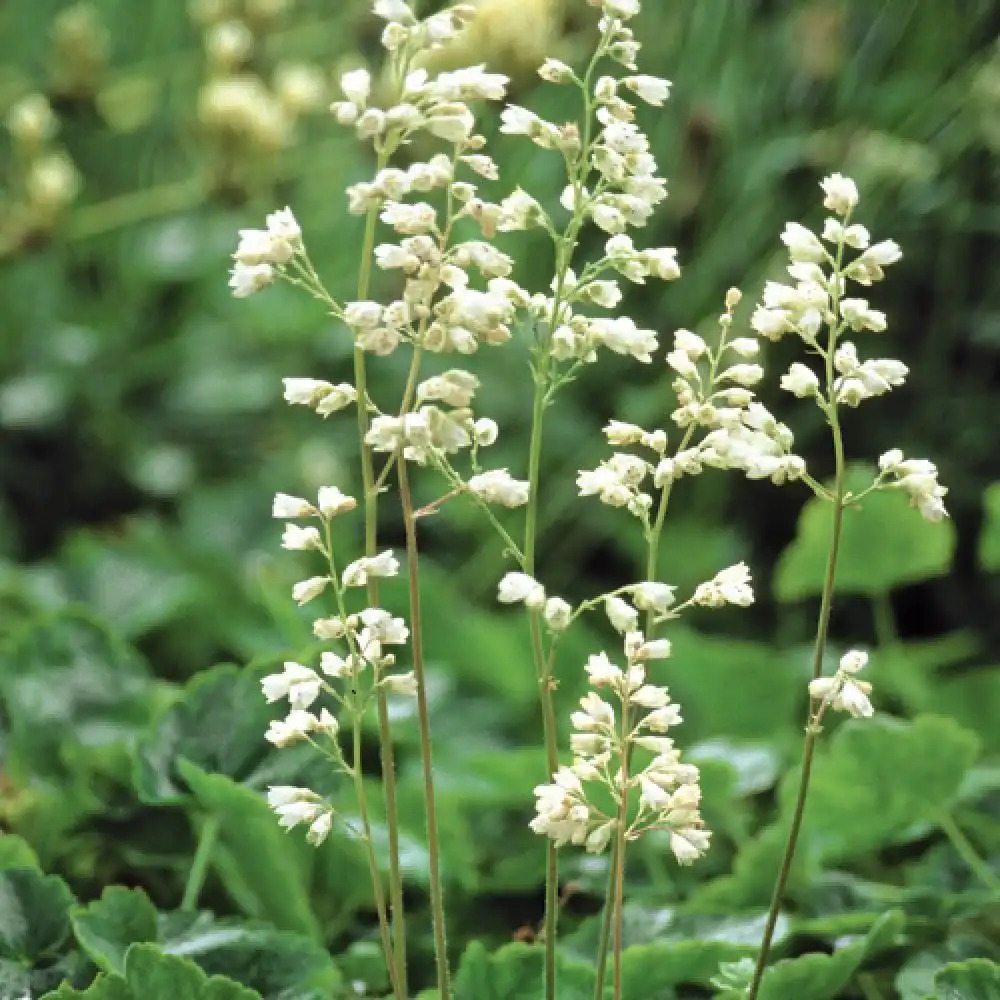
[
  {"x": 812, "y": 731},
  {"x": 383, "y": 920},
  {"x": 619, "y": 852},
  {"x": 416, "y": 639},
  {"x": 387, "y": 751},
  {"x": 544, "y": 676}
]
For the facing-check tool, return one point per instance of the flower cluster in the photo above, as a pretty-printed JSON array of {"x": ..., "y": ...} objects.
[
  {"x": 843, "y": 692},
  {"x": 663, "y": 794},
  {"x": 262, "y": 253},
  {"x": 918, "y": 479},
  {"x": 238, "y": 105},
  {"x": 362, "y": 636},
  {"x": 45, "y": 181},
  {"x": 822, "y": 268}
]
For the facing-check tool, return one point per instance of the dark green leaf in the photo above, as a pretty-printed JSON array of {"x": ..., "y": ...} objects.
[{"x": 34, "y": 914}]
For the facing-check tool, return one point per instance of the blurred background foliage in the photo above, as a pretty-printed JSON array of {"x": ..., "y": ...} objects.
[{"x": 142, "y": 435}]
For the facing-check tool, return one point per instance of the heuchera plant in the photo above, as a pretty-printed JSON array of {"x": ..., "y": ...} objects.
[{"x": 431, "y": 227}]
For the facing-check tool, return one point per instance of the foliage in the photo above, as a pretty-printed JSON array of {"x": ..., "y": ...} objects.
[{"x": 141, "y": 432}]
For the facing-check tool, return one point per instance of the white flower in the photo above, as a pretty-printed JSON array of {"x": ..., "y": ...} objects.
[
  {"x": 622, "y": 336},
  {"x": 558, "y": 614},
  {"x": 394, "y": 10},
  {"x": 357, "y": 86},
  {"x": 516, "y": 587},
  {"x": 298, "y": 538},
  {"x": 651, "y": 89},
  {"x": 730, "y": 586},
  {"x": 334, "y": 665},
  {"x": 689, "y": 845},
  {"x": 555, "y": 71},
  {"x": 292, "y": 805},
  {"x": 358, "y": 573},
  {"x": 245, "y": 279},
  {"x": 363, "y": 315},
  {"x": 621, "y": 614},
  {"x": 803, "y": 244},
  {"x": 652, "y": 596},
  {"x": 858, "y": 316},
  {"x": 853, "y": 660},
  {"x": 600, "y": 671},
  {"x": 485, "y": 431},
  {"x": 285, "y": 505},
  {"x": 625, "y": 9},
  {"x": 332, "y": 502},
  {"x": 304, "y": 591},
  {"x": 405, "y": 684},
  {"x": 800, "y": 381},
  {"x": 320, "y": 829},
  {"x": 498, "y": 486},
  {"x": 295, "y": 727},
  {"x": 853, "y": 698},
  {"x": 841, "y": 193}
]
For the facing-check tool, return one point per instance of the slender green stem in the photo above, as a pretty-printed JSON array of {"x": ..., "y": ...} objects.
[
  {"x": 545, "y": 683},
  {"x": 965, "y": 850},
  {"x": 619, "y": 853},
  {"x": 822, "y": 631},
  {"x": 604, "y": 938},
  {"x": 387, "y": 751},
  {"x": 199, "y": 866},
  {"x": 416, "y": 641},
  {"x": 366, "y": 827}
]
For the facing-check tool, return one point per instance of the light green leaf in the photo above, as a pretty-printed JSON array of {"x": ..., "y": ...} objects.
[
  {"x": 973, "y": 979},
  {"x": 989, "y": 538},
  {"x": 653, "y": 970},
  {"x": 104, "y": 987},
  {"x": 822, "y": 977},
  {"x": 884, "y": 545},
  {"x": 150, "y": 973},
  {"x": 880, "y": 777},
  {"x": 16, "y": 852},
  {"x": 517, "y": 972},
  {"x": 264, "y": 870},
  {"x": 107, "y": 927}
]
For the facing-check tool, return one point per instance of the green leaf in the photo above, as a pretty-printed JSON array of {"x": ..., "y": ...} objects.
[
  {"x": 104, "y": 987},
  {"x": 878, "y": 778},
  {"x": 822, "y": 977},
  {"x": 34, "y": 914},
  {"x": 277, "y": 964},
  {"x": 654, "y": 970},
  {"x": 973, "y": 979},
  {"x": 218, "y": 724},
  {"x": 517, "y": 972},
  {"x": 264, "y": 869},
  {"x": 150, "y": 973},
  {"x": 70, "y": 686},
  {"x": 106, "y": 928},
  {"x": 989, "y": 538},
  {"x": 884, "y": 545},
  {"x": 716, "y": 679},
  {"x": 16, "y": 852}
]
